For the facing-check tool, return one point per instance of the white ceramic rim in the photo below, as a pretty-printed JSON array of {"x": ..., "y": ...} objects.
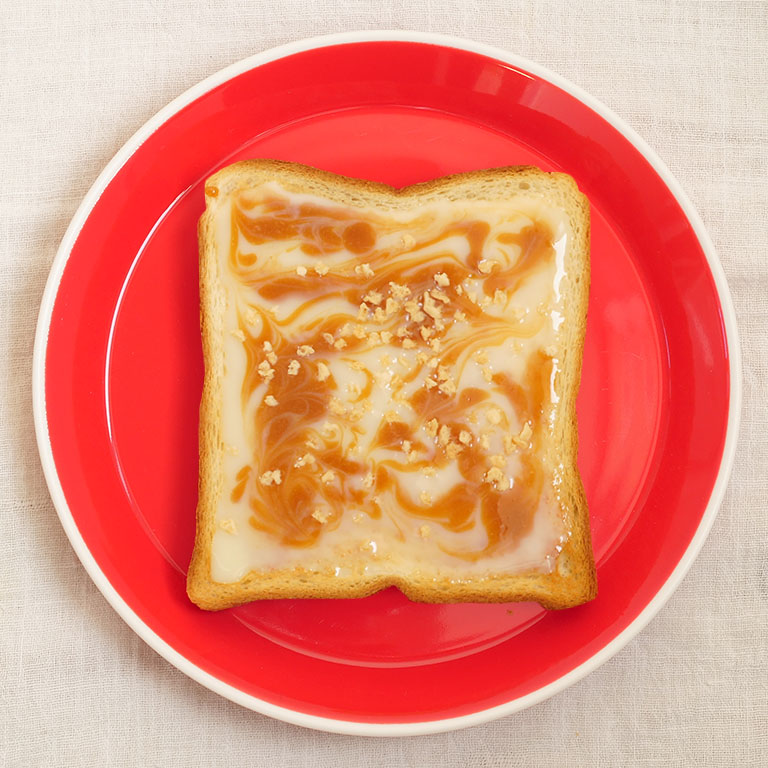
[{"x": 180, "y": 661}]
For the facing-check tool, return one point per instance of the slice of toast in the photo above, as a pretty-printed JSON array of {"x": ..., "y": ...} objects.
[{"x": 390, "y": 388}]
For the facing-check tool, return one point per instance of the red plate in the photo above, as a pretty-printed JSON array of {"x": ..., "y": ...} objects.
[{"x": 118, "y": 374}]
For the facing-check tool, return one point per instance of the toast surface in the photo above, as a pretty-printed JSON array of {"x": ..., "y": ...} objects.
[{"x": 390, "y": 388}]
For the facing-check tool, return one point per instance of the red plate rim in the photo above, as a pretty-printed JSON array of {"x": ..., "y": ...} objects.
[{"x": 181, "y": 662}]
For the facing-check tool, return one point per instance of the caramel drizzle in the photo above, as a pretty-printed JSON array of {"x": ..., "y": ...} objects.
[{"x": 284, "y": 434}]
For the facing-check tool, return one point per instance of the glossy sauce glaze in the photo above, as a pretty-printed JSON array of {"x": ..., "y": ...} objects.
[{"x": 389, "y": 385}]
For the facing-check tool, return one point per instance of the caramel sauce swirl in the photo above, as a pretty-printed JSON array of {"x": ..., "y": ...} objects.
[{"x": 369, "y": 346}]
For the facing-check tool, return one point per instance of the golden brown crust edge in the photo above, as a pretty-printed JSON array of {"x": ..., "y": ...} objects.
[{"x": 573, "y": 581}]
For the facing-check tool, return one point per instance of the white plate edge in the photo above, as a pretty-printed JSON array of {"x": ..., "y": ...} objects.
[{"x": 184, "y": 664}]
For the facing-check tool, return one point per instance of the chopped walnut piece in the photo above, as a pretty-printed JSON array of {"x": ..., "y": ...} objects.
[
  {"x": 444, "y": 435},
  {"x": 374, "y": 338},
  {"x": 323, "y": 371},
  {"x": 498, "y": 461},
  {"x": 270, "y": 401},
  {"x": 509, "y": 444},
  {"x": 430, "y": 383},
  {"x": 364, "y": 270},
  {"x": 386, "y": 337},
  {"x": 362, "y": 311},
  {"x": 494, "y": 416},
  {"x": 328, "y": 339},
  {"x": 346, "y": 329},
  {"x": 328, "y": 477},
  {"x": 525, "y": 435},
  {"x": 440, "y": 296},
  {"x": 442, "y": 279},
  {"x": 409, "y": 344},
  {"x": 425, "y": 498},
  {"x": 401, "y": 332},
  {"x": 228, "y": 526},
  {"x": 373, "y": 297},
  {"x": 433, "y": 363},
  {"x": 321, "y": 515},
  {"x": 359, "y": 331},
  {"x": 270, "y": 477},
  {"x": 293, "y": 368},
  {"x": 465, "y": 437},
  {"x": 368, "y": 480},
  {"x": 435, "y": 344},
  {"x": 414, "y": 311},
  {"x": 432, "y": 309},
  {"x": 339, "y": 344},
  {"x": 305, "y": 350},
  {"x": 379, "y": 315},
  {"x": 399, "y": 291},
  {"x": 443, "y": 374},
  {"x": 265, "y": 370},
  {"x": 459, "y": 316},
  {"x": 251, "y": 316},
  {"x": 485, "y": 442},
  {"x": 425, "y": 332},
  {"x": 336, "y": 406},
  {"x": 486, "y": 266},
  {"x": 431, "y": 427},
  {"x": 421, "y": 358},
  {"x": 448, "y": 387},
  {"x": 488, "y": 374},
  {"x": 391, "y": 306},
  {"x": 495, "y": 475},
  {"x": 452, "y": 450},
  {"x": 302, "y": 461}
]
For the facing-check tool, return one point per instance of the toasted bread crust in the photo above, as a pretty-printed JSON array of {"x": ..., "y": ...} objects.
[{"x": 573, "y": 580}]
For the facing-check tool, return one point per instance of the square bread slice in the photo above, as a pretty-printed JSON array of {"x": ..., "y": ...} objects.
[{"x": 390, "y": 388}]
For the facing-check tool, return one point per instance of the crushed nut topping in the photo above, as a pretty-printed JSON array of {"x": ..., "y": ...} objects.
[
  {"x": 272, "y": 476},
  {"x": 305, "y": 350},
  {"x": 364, "y": 270}
]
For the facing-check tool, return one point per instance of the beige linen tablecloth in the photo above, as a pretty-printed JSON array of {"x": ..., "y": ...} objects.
[{"x": 77, "y": 687}]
